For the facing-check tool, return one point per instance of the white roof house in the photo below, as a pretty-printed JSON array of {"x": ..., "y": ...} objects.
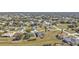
[{"x": 8, "y": 34}]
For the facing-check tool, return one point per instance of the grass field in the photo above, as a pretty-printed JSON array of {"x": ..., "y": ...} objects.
[{"x": 48, "y": 39}]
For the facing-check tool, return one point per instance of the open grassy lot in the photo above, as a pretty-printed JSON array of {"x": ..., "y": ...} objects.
[{"x": 48, "y": 39}]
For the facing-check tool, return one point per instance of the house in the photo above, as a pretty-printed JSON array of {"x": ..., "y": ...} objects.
[
  {"x": 71, "y": 40},
  {"x": 7, "y": 34},
  {"x": 38, "y": 34},
  {"x": 17, "y": 36}
]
